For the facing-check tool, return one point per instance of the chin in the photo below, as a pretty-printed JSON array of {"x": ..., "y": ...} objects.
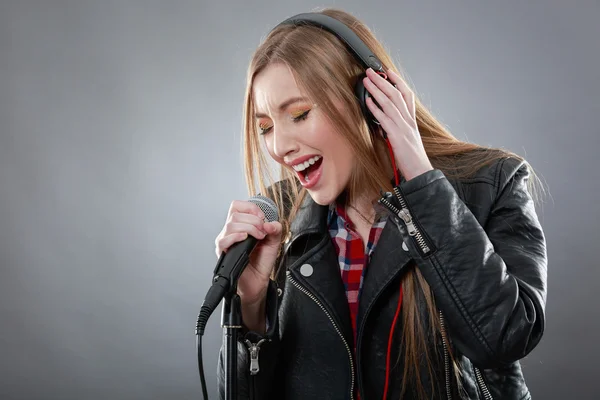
[{"x": 322, "y": 198}]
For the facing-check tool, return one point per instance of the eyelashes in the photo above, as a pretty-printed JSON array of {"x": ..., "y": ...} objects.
[{"x": 297, "y": 117}]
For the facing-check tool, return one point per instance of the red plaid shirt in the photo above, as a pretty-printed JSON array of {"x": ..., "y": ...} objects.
[{"x": 351, "y": 255}]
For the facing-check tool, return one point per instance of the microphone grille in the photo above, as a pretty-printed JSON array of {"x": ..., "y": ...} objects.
[{"x": 267, "y": 206}]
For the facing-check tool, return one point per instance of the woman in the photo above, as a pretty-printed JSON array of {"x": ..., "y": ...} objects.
[{"x": 406, "y": 264}]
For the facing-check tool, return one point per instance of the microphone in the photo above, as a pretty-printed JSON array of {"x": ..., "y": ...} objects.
[{"x": 231, "y": 264}]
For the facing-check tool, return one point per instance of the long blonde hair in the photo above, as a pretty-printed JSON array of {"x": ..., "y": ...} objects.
[{"x": 327, "y": 73}]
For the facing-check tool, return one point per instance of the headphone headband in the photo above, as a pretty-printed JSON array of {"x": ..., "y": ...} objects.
[
  {"x": 361, "y": 52},
  {"x": 345, "y": 34}
]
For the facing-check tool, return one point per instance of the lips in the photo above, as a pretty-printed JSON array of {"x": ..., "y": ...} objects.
[{"x": 309, "y": 176}]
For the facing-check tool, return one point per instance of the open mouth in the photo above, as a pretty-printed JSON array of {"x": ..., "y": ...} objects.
[{"x": 310, "y": 171}]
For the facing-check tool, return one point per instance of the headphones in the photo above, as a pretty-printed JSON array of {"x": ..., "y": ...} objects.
[{"x": 356, "y": 46}]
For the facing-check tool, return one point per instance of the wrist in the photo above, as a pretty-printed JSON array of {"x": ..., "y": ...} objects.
[
  {"x": 254, "y": 315},
  {"x": 415, "y": 169}
]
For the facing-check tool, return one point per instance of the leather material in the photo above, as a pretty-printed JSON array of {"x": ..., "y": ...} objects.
[{"x": 487, "y": 269}]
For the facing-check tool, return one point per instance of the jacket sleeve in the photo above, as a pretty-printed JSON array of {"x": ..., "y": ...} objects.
[
  {"x": 489, "y": 281},
  {"x": 260, "y": 385}
]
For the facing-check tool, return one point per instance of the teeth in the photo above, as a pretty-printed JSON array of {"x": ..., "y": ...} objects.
[{"x": 306, "y": 164}]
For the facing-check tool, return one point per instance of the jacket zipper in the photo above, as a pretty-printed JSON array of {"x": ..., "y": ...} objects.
[
  {"x": 404, "y": 214},
  {"x": 482, "y": 386},
  {"x": 313, "y": 298},
  {"x": 252, "y": 388},
  {"x": 446, "y": 357},
  {"x": 480, "y": 382}
]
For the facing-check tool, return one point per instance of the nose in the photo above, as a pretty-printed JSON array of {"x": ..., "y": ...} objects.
[{"x": 284, "y": 143}]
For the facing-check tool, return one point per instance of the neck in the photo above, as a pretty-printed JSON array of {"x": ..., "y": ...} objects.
[{"x": 363, "y": 209}]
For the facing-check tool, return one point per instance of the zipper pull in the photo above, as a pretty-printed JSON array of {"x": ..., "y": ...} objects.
[
  {"x": 406, "y": 217},
  {"x": 254, "y": 348},
  {"x": 397, "y": 206}
]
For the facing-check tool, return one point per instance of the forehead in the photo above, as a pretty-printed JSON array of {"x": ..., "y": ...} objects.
[{"x": 272, "y": 86}]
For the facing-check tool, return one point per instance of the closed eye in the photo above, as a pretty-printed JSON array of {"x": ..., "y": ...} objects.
[{"x": 301, "y": 117}]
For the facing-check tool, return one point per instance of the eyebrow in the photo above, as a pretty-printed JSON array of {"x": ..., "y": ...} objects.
[{"x": 283, "y": 105}]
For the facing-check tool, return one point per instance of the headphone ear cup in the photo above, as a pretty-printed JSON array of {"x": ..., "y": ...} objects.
[{"x": 361, "y": 94}]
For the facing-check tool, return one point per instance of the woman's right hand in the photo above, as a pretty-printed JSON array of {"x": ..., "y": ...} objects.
[{"x": 245, "y": 218}]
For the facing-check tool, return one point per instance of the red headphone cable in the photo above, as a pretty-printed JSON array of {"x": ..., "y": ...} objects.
[{"x": 394, "y": 321}]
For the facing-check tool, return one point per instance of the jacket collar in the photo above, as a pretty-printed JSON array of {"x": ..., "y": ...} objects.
[{"x": 310, "y": 218}]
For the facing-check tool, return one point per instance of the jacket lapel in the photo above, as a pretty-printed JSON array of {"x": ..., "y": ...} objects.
[
  {"x": 387, "y": 261},
  {"x": 311, "y": 244}
]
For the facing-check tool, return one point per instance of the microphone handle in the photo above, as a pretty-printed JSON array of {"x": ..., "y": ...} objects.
[
  {"x": 230, "y": 266},
  {"x": 232, "y": 263}
]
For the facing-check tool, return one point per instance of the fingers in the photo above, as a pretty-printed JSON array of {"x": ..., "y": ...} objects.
[
  {"x": 407, "y": 93},
  {"x": 391, "y": 99},
  {"x": 234, "y": 232},
  {"x": 385, "y": 122},
  {"x": 244, "y": 218},
  {"x": 225, "y": 242},
  {"x": 273, "y": 228},
  {"x": 254, "y": 230},
  {"x": 245, "y": 207}
]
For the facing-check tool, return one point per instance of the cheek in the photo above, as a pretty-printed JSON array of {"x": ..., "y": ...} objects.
[
  {"x": 343, "y": 164},
  {"x": 338, "y": 150},
  {"x": 343, "y": 160}
]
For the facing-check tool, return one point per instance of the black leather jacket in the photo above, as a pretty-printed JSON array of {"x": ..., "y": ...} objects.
[{"x": 479, "y": 245}]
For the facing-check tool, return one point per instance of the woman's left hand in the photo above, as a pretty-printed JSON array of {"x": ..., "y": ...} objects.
[{"x": 397, "y": 118}]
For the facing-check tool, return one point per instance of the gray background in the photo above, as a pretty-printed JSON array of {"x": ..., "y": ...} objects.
[{"x": 120, "y": 153}]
